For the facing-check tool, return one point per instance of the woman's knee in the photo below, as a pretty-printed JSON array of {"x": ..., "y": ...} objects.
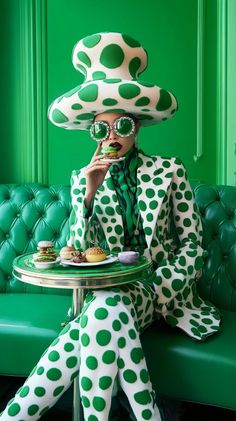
[{"x": 105, "y": 308}]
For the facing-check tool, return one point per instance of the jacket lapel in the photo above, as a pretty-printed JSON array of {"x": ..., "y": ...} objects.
[{"x": 153, "y": 181}]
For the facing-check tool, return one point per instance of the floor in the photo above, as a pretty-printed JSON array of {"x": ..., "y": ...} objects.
[{"x": 173, "y": 410}]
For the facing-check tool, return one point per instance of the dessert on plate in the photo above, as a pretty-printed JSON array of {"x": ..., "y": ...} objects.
[
  {"x": 79, "y": 257},
  {"x": 46, "y": 252},
  {"x": 67, "y": 252},
  {"x": 95, "y": 254},
  {"x": 46, "y": 257}
]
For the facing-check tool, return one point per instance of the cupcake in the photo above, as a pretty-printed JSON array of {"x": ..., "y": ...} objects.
[{"x": 95, "y": 254}]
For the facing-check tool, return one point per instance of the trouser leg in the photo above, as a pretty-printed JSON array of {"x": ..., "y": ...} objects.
[
  {"x": 110, "y": 324},
  {"x": 50, "y": 378},
  {"x": 110, "y": 344}
]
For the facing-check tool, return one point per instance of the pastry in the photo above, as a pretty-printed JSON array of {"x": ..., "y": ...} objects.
[
  {"x": 46, "y": 252},
  {"x": 95, "y": 254},
  {"x": 67, "y": 252},
  {"x": 110, "y": 152},
  {"x": 79, "y": 257}
]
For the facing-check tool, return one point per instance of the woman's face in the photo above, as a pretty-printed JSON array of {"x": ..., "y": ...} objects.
[{"x": 121, "y": 144}]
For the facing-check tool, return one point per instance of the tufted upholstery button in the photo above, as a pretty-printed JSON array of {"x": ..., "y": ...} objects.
[
  {"x": 30, "y": 235},
  {"x": 7, "y": 235},
  {"x": 18, "y": 214}
]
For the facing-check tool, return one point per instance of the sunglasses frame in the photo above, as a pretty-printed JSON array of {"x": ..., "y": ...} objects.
[{"x": 112, "y": 127}]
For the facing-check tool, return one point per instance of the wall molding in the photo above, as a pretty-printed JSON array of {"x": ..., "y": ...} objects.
[
  {"x": 231, "y": 93},
  {"x": 221, "y": 91},
  {"x": 32, "y": 104},
  {"x": 200, "y": 65}
]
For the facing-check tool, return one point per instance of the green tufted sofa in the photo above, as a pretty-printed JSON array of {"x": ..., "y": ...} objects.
[{"x": 30, "y": 317}]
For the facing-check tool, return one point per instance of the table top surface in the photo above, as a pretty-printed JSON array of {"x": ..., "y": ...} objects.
[{"x": 95, "y": 276}]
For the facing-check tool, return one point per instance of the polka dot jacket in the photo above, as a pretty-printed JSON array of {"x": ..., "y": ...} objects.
[{"x": 173, "y": 232}]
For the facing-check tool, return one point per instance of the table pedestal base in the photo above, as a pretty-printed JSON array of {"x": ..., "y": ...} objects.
[{"x": 78, "y": 301}]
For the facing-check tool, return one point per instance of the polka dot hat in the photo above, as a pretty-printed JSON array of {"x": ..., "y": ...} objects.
[{"x": 111, "y": 63}]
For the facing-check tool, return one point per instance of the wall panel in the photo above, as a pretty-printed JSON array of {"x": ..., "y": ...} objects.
[{"x": 181, "y": 39}]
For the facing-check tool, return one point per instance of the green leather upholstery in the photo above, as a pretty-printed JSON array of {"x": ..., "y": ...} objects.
[
  {"x": 30, "y": 317},
  {"x": 29, "y": 213},
  {"x": 218, "y": 210},
  {"x": 188, "y": 370},
  {"x": 29, "y": 323}
]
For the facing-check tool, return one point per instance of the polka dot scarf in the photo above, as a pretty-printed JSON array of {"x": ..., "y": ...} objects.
[{"x": 124, "y": 177}]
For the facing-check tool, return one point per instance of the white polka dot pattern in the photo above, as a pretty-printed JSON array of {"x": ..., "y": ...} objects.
[
  {"x": 111, "y": 64},
  {"x": 164, "y": 197}
]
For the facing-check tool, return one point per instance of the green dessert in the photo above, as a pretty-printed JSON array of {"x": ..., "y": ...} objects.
[{"x": 109, "y": 151}]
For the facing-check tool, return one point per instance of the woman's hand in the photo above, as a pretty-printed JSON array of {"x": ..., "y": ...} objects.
[{"x": 95, "y": 173}]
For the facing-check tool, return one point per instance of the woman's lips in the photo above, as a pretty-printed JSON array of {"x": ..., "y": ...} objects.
[{"x": 116, "y": 145}]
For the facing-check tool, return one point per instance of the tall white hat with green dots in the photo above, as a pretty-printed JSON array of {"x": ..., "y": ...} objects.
[{"x": 111, "y": 63}]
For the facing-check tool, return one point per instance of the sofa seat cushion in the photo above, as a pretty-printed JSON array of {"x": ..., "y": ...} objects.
[
  {"x": 28, "y": 324},
  {"x": 190, "y": 370}
]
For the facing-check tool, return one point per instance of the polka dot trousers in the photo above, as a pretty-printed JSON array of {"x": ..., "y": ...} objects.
[{"x": 100, "y": 344}]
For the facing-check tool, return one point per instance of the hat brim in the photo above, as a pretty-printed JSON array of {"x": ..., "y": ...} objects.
[{"x": 76, "y": 109}]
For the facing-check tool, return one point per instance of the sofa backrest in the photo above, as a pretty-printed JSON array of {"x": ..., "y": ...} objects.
[
  {"x": 30, "y": 213},
  {"x": 33, "y": 212},
  {"x": 217, "y": 205}
]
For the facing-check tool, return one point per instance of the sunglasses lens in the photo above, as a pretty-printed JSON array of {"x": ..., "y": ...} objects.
[
  {"x": 124, "y": 126},
  {"x": 99, "y": 131}
]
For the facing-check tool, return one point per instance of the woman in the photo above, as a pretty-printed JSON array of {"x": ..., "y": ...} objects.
[{"x": 132, "y": 204}]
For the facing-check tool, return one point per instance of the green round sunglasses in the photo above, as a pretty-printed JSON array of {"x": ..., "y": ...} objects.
[{"x": 122, "y": 126}]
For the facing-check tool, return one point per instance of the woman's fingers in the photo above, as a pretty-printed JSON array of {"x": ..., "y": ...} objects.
[
  {"x": 98, "y": 162},
  {"x": 97, "y": 165}
]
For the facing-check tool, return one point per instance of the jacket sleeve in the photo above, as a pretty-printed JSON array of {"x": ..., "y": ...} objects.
[
  {"x": 82, "y": 231},
  {"x": 175, "y": 275}
]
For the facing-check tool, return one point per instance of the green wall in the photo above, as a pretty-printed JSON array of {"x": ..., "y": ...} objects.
[
  {"x": 168, "y": 30},
  {"x": 182, "y": 39},
  {"x": 9, "y": 88}
]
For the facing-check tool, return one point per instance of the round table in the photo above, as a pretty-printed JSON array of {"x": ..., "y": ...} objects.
[{"x": 79, "y": 278}]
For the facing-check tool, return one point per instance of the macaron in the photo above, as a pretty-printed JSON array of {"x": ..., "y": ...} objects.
[{"x": 109, "y": 151}]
